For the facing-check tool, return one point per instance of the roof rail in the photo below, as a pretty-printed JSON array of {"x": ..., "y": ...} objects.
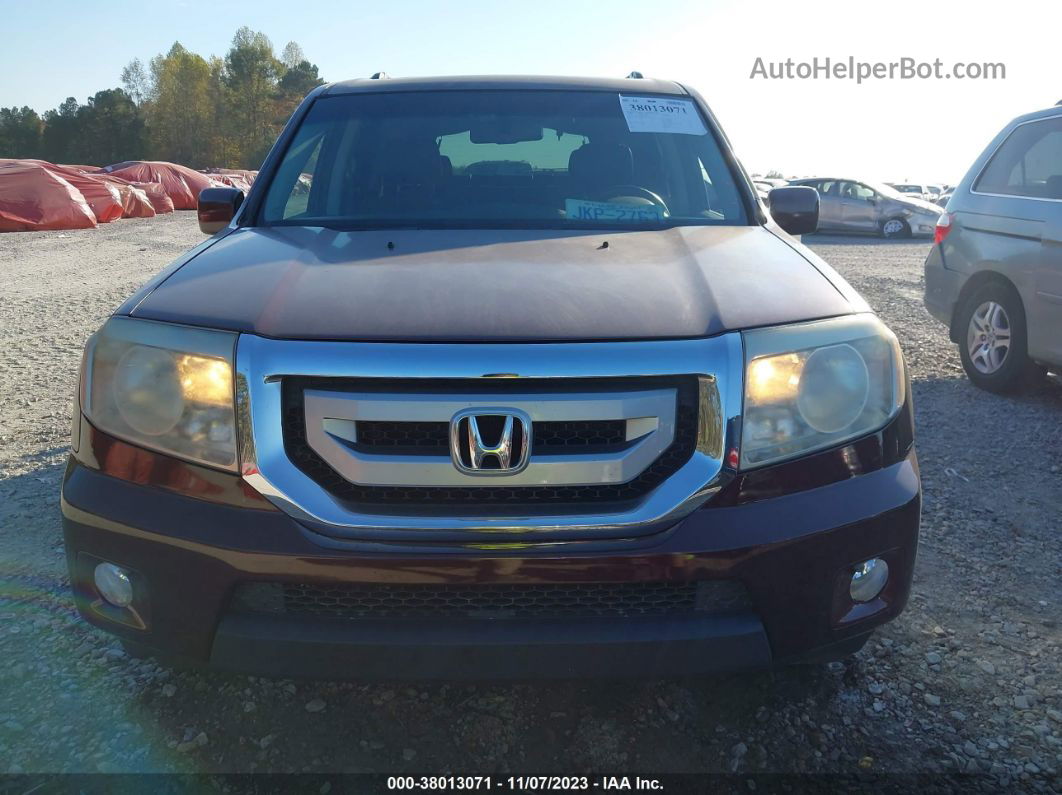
[
  {"x": 635, "y": 76},
  {"x": 380, "y": 76}
]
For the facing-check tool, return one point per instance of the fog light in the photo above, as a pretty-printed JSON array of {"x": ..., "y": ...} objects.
[
  {"x": 113, "y": 584},
  {"x": 869, "y": 579}
]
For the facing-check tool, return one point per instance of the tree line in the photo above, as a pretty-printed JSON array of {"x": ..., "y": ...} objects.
[{"x": 180, "y": 107}]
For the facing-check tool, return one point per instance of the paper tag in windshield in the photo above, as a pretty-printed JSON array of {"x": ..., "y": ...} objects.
[
  {"x": 660, "y": 115},
  {"x": 582, "y": 210}
]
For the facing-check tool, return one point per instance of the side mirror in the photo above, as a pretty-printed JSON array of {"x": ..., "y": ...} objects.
[
  {"x": 217, "y": 207},
  {"x": 795, "y": 209}
]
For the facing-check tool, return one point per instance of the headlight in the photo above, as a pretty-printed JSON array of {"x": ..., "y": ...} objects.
[
  {"x": 165, "y": 387},
  {"x": 816, "y": 385}
]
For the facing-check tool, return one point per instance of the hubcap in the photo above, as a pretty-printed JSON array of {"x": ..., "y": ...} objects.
[
  {"x": 893, "y": 227},
  {"x": 988, "y": 337}
]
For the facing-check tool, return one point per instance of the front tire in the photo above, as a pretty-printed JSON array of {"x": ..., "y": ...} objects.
[
  {"x": 993, "y": 340},
  {"x": 895, "y": 228}
]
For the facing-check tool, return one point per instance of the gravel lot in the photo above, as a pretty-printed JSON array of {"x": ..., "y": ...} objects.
[{"x": 969, "y": 679}]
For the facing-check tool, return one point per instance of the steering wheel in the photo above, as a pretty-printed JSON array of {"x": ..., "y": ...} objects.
[{"x": 634, "y": 190}]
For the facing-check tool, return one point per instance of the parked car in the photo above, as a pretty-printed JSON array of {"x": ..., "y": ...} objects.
[
  {"x": 848, "y": 205},
  {"x": 994, "y": 274},
  {"x": 597, "y": 414},
  {"x": 945, "y": 196},
  {"x": 915, "y": 190},
  {"x": 763, "y": 190}
]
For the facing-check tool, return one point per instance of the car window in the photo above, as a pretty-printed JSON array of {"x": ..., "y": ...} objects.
[
  {"x": 1029, "y": 162},
  {"x": 827, "y": 187},
  {"x": 499, "y": 158},
  {"x": 853, "y": 190}
]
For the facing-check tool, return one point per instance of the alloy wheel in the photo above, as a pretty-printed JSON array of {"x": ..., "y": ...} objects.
[
  {"x": 988, "y": 337},
  {"x": 893, "y": 228}
]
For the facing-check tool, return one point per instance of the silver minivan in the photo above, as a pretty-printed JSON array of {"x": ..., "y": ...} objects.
[{"x": 994, "y": 274}]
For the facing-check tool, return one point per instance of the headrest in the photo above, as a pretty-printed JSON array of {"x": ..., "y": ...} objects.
[{"x": 602, "y": 164}]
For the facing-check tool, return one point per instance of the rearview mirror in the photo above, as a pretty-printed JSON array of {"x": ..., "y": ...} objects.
[
  {"x": 504, "y": 131},
  {"x": 217, "y": 208},
  {"x": 795, "y": 209}
]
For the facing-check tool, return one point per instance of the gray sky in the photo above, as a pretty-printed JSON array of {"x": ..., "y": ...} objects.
[{"x": 924, "y": 130}]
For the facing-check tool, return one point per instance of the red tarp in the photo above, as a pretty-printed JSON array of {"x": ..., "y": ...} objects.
[
  {"x": 234, "y": 177},
  {"x": 86, "y": 169},
  {"x": 157, "y": 195},
  {"x": 181, "y": 183},
  {"x": 102, "y": 197},
  {"x": 33, "y": 198},
  {"x": 135, "y": 203}
]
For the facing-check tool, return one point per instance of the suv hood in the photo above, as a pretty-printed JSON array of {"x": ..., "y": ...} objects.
[{"x": 496, "y": 285}]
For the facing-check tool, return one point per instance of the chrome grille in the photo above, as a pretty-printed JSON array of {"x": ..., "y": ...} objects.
[
  {"x": 662, "y": 483},
  {"x": 493, "y": 496}
]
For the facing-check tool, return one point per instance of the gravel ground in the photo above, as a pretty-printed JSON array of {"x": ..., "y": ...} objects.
[{"x": 967, "y": 680}]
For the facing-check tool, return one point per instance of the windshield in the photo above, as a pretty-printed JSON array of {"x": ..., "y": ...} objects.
[
  {"x": 503, "y": 159},
  {"x": 909, "y": 188}
]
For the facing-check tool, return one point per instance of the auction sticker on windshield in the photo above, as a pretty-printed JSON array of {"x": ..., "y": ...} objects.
[
  {"x": 582, "y": 210},
  {"x": 660, "y": 115}
]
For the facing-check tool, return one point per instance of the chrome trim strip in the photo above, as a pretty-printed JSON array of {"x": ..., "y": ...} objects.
[
  {"x": 262, "y": 362},
  {"x": 578, "y": 469}
]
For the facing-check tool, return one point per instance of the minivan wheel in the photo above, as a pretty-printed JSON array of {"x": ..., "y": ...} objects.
[
  {"x": 993, "y": 345},
  {"x": 895, "y": 227}
]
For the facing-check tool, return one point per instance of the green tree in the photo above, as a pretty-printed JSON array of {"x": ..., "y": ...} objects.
[
  {"x": 110, "y": 129},
  {"x": 297, "y": 82},
  {"x": 292, "y": 55},
  {"x": 60, "y": 132},
  {"x": 135, "y": 81},
  {"x": 179, "y": 111},
  {"x": 221, "y": 148},
  {"x": 251, "y": 75},
  {"x": 21, "y": 132},
  {"x": 181, "y": 107}
]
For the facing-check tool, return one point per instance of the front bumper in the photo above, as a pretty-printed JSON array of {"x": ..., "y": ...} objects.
[
  {"x": 922, "y": 225},
  {"x": 793, "y": 553}
]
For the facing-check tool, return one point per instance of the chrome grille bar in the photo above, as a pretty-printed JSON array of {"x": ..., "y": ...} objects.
[{"x": 263, "y": 363}]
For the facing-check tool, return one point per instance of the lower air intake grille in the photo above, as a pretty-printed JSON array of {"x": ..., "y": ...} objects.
[{"x": 368, "y": 601}]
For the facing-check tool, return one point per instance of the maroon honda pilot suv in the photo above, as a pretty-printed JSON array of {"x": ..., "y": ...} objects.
[{"x": 495, "y": 377}]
